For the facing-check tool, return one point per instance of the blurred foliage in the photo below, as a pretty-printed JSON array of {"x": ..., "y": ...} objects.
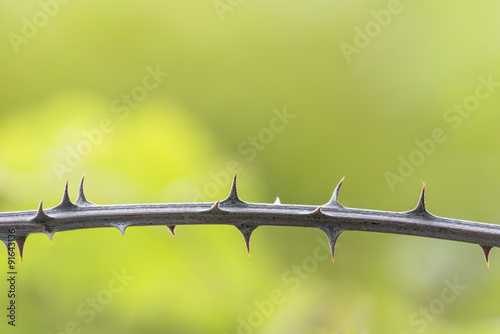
[{"x": 229, "y": 69}]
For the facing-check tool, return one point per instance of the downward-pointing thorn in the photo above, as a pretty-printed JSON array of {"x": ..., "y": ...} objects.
[
  {"x": 121, "y": 228},
  {"x": 171, "y": 228},
  {"x": 20, "y": 245},
  {"x": 334, "y": 201},
  {"x": 246, "y": 231},
  {"x": 233, "y": 195},
  {"x": 332, "y": 232},
  {"x": 50, "y": 235},
  {"x": 82, "y": 200},
  {"x": 486, "y": 251}
]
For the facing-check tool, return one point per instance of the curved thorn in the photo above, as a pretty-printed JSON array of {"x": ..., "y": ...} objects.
[
  {"x": 332, "y": 232},
  {"x": 215, "y": 208},
  {"x": 171, "y": 228},
  {"x": 233, "y": 195},
  {"x": 66, "y": 198},
  {"x": 66, "y": 201},
  {"x": 486, "y": 251},
  {"x": 317, "y": 213},
  {"x": 121, "y": 228},
  {"x": 420, "y": 208},
  {"x": 20, "y": 245},
  {"x": 82, "y": 200},
  {"x": 334, "y": 201},
  {"x": 41, "y": 218},
  {"x": 50, "y": 235},
  {"x": 246, "y": 230},
  {"x": 277, "y": 201},
  {"x": 40, "y": 213}
]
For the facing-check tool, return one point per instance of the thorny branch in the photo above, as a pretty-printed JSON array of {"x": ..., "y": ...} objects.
[{"x": 332, "y": 218}]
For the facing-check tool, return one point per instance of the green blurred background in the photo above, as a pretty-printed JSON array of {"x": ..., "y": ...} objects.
[{"x": 67, "y": 69}]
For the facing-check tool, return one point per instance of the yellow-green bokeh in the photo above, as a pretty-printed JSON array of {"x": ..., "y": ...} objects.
[{"x": 229, "y": 74}]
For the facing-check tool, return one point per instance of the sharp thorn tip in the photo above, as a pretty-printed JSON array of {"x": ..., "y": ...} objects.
[
  {"x": 20, "y": 241},
  {"x": 246, "y": 231},
  {"x": 66, "y": 200},
  {"x": 332, "y": 233},
  {"x": 317, "y": 213},
  {"x": 420, "y": 208},
  {"x": 233, "y": 198},
  {"x": 82, "y": 199},
  {"x": 215, "y": 208},
  {"x": 171, "y": 228},
  {"x": 40, "y": 213},
  {"x": 486, "y": 252},
  {"x": 334, "y": 200}
]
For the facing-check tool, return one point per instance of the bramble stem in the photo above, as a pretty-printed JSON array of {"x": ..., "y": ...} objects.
[{"x": 332, "y": 218}]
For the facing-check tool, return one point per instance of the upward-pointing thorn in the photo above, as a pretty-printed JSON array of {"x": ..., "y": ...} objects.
[
  {"x": 42, "y": 218},
  {"x": 66, "y": 198},
  {"x": 334, "y": 201},
  {"x": 215, "y": 209},
  {"x": 233, "y": 196},
  {"x": 486, "y": 251},
  {"x": 121, "y": 228},
  {"x": 277, "y": 201},
  {"x": 40, "y": 213},
  {"x": 82, "y": 200},
  {"x": 66, "y": 201},
  {"x": 317, "y": 213},
  {"x": 420, "y": 208},
  {"x": 246, "y": 230}
]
